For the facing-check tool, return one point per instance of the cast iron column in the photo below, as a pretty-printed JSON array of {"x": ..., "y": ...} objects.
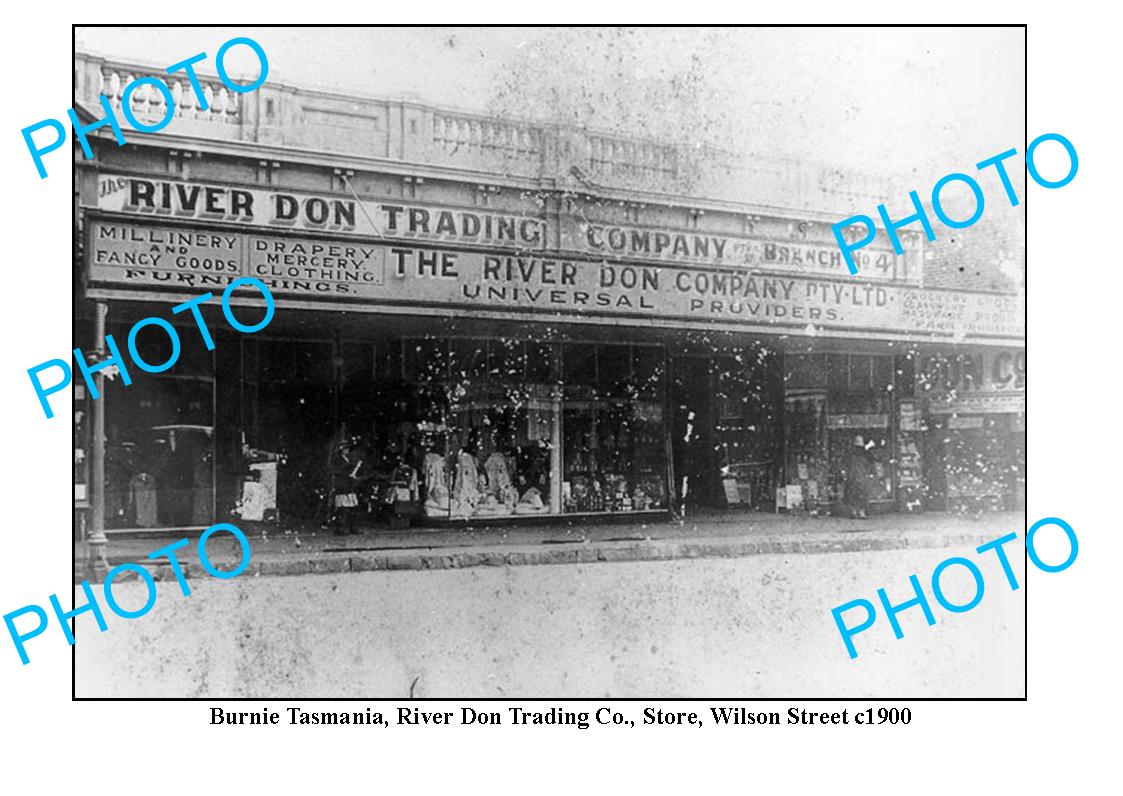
[
  {"x": 556, "y": 450},
  {"x": 96, "y": 563},
  {"x": 556, "y": 417}
]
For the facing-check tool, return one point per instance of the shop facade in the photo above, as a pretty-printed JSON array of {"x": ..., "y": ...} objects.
[{"x": 494, "y": 341}]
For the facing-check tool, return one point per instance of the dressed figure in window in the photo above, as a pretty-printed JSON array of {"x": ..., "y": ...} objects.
[
  {"x": 466, "y": 488},
  {"x": 436, "y": 486}
]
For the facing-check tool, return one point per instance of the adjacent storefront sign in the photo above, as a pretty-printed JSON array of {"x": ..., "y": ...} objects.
[
  {"x": 167, "y": 256},
  {"x": 968, "y": 382},
  {"x": 982, "y": 403}
]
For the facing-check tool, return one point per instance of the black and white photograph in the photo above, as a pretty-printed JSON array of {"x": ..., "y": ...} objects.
[
  {"x": 629, "y": 400},
  {"x": 550, "y": 362}
]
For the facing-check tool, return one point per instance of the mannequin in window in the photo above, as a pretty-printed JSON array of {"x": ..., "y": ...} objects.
[
  {"x": 436, "y": 485},
  {"x": 499, "y": 495},
  {"x": 466, "y": 490}
]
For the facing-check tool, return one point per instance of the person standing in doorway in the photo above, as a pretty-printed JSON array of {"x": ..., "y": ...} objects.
[
  {"x": 859, "y": 468},
  {"x": 348, "y": 473}
]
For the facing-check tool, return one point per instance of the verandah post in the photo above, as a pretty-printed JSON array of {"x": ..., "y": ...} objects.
[{"x": 96, "y": 562}]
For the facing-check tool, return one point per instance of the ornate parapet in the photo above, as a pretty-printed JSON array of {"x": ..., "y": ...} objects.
[{"x": 475, "y": 145}]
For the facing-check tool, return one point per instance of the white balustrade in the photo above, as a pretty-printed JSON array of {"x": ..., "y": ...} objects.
[
  {"x": 462, "y": 135},
  {"x": 504, "y": 146},
  {"x": 618, "y": 157},
  {"x": 148, "y": 103}
]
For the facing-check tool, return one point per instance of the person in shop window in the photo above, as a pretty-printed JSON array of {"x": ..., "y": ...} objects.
[
  {"x": 859, "y": 472},
  {"x": 349, "y": 472}
]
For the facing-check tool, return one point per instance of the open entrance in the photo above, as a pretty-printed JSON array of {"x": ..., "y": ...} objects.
[{"x": 726, "y": 418}]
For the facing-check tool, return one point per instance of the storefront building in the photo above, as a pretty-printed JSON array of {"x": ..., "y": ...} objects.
[{"x": 484, "y": 319}]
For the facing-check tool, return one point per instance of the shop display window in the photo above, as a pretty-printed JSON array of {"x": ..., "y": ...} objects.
[
  {"x": 859, "y": 423},
  {"x": 498, "y": 460},
  {"x": 805, "y": 431},
  {"x": 805, "y": 371},
  {"x": 443, "y": 427},
  {"x": 881, "y": 373},
  {"x": 981, "y": 466},
  {"x": 805, "y": 478},
  {"x": 541, "y": 362},
  {"x": 747, "y": 426},
  {"x": 579, "y": 364},
  {"x": 838, "y": 409},
  {"x": 912, "y": 486},
  {"x": 481, "y": 425},
  {"x": 614, "y": 455},
  {"x": 159, "y": 456},
  {"x": 973, "y": 456},
  {"x": 504, "y": 426}
]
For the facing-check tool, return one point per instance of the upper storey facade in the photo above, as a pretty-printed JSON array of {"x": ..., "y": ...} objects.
[{"x": 689, "y": 238}]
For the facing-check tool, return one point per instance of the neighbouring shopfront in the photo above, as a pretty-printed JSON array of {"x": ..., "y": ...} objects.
[
  {"x": 836, "y": 402},
  {"x": 544, "y": 355},
  {"x": 974, "y": 405}
]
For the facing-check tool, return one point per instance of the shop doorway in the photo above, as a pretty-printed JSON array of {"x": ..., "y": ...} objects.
[
  {"x": 725, "y": 436},
  {"x": 693, "y": 429},
  {"x": 294, "y": 418}
]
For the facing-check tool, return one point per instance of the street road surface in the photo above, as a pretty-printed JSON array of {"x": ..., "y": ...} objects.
[{"x": 742, "y": 627}]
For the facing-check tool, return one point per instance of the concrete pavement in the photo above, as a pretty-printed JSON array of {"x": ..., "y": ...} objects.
[{"x": 307, "y": 550}]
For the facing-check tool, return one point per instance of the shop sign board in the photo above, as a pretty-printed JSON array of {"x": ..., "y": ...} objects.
[
  {"x": 981, "y": 403},
  {"x": 346, "y": 215},
  {"x": 339, "y": 214},
  {"x": 858, "y": 421},
  {"x": 181, "y": 257},
  {"x": 626, "y": 243},
  {"x": 965, "y": 422},
  {"x": 171, "y": 257}
]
